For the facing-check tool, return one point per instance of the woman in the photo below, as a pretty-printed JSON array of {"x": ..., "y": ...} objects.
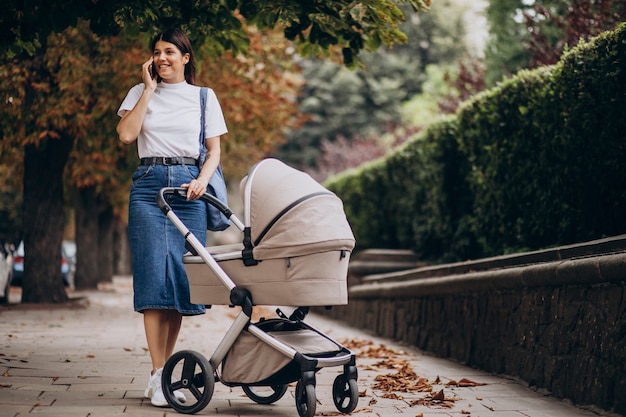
[{"x": 163, "y": 115}]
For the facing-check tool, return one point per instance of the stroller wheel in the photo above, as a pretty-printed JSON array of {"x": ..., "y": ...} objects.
[
  {"x": 265, "y": 395},
  {"x": 188, "y": 373},
  {"x": 305, "y": 399},
  {"x": 345, "y": 394}
]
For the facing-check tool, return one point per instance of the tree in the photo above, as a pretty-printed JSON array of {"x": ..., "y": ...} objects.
[
  {"x": 315, "y": 26},
  {"x": 248, "y": 86},
  {"x": 530, "y": 33},
  {"x": 363, "y": 102},
  {"x": 46, "y": 118},
  {"x": 505, "y": 53},
  {"x": 553, "y": 29},
  {"x": 467, "y": 80}
]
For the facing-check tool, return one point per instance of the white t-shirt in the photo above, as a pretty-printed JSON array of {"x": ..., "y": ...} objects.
[{"x": 171, "y": 126}]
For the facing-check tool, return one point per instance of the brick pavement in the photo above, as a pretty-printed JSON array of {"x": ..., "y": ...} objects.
[{"x": 89, "y": 359}]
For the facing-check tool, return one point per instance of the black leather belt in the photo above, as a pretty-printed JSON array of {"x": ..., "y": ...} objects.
[{"x": 168, "y": 160}]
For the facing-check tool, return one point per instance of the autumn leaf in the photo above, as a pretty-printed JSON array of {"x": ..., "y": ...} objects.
[
  {"x": 439, "y": 396},
  {"x": 437, "y": 399},
  {"x": 464, "y": 382}
]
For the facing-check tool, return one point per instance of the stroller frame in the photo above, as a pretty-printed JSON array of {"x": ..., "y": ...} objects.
[{"x": 198, "y": 375}]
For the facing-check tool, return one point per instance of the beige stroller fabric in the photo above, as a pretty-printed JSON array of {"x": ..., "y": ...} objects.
[
  {"x": 316, "y": 224},
  {"x": 242, "y": 364},
  {"x": 300, "y": 238}
]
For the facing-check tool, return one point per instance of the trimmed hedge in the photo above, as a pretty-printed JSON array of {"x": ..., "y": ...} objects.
[{"x": 537, "y": 161}]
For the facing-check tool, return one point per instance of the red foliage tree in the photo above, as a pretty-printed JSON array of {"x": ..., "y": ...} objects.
[{"x": 582, "y": 20}]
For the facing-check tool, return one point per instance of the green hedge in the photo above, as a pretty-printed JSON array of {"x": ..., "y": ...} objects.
[{"x": 538, "y": 161}]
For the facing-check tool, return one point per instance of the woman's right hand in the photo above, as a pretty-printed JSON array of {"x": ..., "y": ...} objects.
[
  {"x": 149, "y": 80},
  {"x": 130, "y": 125}
]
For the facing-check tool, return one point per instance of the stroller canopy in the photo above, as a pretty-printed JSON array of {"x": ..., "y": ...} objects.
[{"x": 288, "y": 213}]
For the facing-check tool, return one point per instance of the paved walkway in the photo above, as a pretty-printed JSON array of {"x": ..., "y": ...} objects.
[{"x": 90, "y": 359}]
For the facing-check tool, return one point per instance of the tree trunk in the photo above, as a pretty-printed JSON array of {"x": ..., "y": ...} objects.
[
  {"x": 105, "y": 243},
  {"x": 44, "y": 219},
  {"x": 86, "y": 209},
  {"x": 121, "y": 248}
]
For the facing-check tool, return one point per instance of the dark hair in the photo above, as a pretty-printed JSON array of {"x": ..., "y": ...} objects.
[{"x": 178, "y": 38}]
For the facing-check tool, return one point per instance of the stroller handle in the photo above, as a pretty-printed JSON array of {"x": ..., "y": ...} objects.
[{"x": 182, "y": 192}]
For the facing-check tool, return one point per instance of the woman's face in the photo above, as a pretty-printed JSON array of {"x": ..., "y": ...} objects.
[{"x": 169, "y": 62}]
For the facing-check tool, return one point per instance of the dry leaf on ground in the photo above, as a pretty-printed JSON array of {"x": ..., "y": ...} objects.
[
  {"x": 464, "y": 382},
  {"x": 437, "y": 399}
]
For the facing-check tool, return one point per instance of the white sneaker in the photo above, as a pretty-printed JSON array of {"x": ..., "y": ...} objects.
[
  {"x": 180, "y": 396},
  {"x": 154, "y": 391}
]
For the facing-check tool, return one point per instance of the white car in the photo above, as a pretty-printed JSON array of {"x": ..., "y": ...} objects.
[
  {"x": 6, "y": 271},
  {"x": 68, "y": 263}
]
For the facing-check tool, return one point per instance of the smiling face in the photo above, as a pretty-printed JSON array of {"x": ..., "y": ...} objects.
[{"x": 169, "y": 62}]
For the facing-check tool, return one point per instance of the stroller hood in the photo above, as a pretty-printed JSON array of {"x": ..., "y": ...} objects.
[{"x": 290, "y": 214}]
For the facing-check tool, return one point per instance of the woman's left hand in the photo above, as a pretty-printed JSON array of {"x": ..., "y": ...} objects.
[{"x": 195, "y": 189}]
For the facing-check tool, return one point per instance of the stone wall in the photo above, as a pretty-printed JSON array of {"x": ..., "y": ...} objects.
[{"x": 558, "y": 325}]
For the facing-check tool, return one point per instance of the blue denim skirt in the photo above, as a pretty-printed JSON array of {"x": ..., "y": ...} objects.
[{"x": 159, "y": 277}]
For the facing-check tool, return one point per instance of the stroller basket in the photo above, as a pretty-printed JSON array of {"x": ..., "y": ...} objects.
[{"x": 242, "y": 365}]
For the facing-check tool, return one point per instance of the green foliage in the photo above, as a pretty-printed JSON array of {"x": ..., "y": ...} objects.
[
  {"x": 316, "y": 26},
  {"x": 505, "y": 54},
  {"x": 528, "y": 34},
  {"x": 535, "y": 162},
  {"x": 365, "y": 101},
  {"x": 340, "y": 102}
]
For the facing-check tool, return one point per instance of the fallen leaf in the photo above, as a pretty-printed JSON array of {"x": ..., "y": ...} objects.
[
  {"x": 435, "y": 399},
  {"x": 373, "y": 401},
  {"x": 405, "y": 380},
  {"x": 439, "y": 396},
  {"x": 464, "y": 382}
]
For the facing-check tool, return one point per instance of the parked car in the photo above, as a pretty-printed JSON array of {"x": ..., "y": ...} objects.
[
  {"x": 68, "y": 263},
  {"x": 69, "y": 254},
  {"x": 6, "y": 271}
]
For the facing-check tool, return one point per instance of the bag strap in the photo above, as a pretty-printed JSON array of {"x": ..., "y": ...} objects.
[{"x": 203, "y": 96}]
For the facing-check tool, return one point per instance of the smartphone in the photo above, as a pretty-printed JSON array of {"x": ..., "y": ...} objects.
[{"x": 153, "y": 70}]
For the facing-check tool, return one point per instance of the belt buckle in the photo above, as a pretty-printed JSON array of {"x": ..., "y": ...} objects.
[{"x": 166, "y": 161}]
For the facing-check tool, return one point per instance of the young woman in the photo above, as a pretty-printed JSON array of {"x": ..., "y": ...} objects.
[{"x": 162, "y": 115}]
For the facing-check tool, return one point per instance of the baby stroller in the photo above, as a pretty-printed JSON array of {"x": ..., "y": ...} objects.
[{"x": 295, "y": 252}]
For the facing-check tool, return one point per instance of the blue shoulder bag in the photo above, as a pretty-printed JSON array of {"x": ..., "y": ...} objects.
[{"x": 215, "y": 220}]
